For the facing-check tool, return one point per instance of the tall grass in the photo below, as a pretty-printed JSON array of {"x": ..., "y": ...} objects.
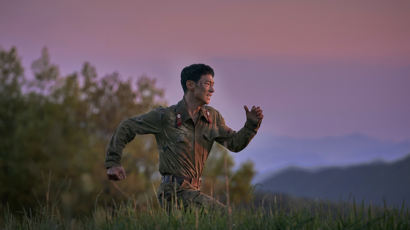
[{"x": 268, "y": 214}]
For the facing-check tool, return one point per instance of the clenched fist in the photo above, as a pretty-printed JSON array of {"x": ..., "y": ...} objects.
[
  {"x": 255, "y": 115},
  {"x": 116, "y": 173}
]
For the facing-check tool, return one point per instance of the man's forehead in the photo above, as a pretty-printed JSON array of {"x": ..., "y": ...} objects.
[{"x": 207, "y": 77}]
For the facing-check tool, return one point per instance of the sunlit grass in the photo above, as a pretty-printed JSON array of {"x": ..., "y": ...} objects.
[{"x": 270, "y": 215}]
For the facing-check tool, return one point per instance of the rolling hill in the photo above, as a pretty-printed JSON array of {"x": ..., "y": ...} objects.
[{"x": 374, "y": 183}]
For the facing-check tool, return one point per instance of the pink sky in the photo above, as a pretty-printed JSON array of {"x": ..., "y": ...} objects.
[{"x": 317, "y": 68}]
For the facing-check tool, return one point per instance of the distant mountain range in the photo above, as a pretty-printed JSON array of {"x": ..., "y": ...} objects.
[
  {"x": 373, "y": 183},
  {"x": 270, "y": 153}
]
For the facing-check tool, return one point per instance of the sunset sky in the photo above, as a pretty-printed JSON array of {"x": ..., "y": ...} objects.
[{"x": 317, "y": 68}]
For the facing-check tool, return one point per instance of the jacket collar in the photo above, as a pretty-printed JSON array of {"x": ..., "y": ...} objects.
[{"x": 182, "y": 109}]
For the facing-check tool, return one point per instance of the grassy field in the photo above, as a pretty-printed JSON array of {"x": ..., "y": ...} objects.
[{"x": 271, "y": 213}]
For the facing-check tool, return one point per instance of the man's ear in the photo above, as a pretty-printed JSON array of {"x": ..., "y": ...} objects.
[{"x": 190, "y": 84}]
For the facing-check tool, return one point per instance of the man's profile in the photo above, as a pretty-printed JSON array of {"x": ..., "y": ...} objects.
[{"x": 184, "y": 133}]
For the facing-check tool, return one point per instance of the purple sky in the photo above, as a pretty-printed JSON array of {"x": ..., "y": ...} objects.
[{"x": 317, "y": 68}]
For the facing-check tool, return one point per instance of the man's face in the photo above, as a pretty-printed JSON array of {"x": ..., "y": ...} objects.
[{"x": 204, "y": 89}]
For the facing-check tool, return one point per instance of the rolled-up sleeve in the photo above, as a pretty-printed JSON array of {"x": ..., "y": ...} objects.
[
  {"x": 232, "y": 140},
  {"x": 149, "y": 123}
]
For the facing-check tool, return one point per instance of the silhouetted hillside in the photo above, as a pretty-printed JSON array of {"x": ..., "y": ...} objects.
[
  {"x": 271, "y": 153},
  {"x": 372, "y": 182}
]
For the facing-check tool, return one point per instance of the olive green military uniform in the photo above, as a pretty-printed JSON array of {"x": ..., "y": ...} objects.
[{"x": 183, "y": 146}]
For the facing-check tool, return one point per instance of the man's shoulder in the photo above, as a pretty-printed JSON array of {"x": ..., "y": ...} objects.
[
  {"x": 165, "y": 110},
  {"x": 170, "y": 108},
  {"x": 211, "y": 109},
  {"x": 213, "y": 113}
]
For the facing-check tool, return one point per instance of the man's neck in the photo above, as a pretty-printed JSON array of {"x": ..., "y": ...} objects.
[{"x": 193, "y": 105}]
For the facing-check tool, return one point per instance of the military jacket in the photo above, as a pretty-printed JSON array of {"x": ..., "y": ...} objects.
[{"x": 183, "y": 144}]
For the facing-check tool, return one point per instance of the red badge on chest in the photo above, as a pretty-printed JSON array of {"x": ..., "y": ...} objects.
[
  {"x": 178, "y": 120},
  {"x": 208, "y": 117}
]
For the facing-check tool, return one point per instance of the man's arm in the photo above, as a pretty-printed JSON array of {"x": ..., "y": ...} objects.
[
  {"x": 149, "y": 123},
  {"x": 236, "y": 141}
]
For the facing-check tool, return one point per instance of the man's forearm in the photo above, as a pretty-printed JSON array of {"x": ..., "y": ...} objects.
[
  {"x": 236, "y": 141},
  {"x": 148, "y": 123},
  {"x": 122, "y": 136}
]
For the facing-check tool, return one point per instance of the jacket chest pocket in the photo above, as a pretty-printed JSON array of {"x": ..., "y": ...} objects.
[
  {"x": 210, "y": 135},
  {"x": 177, "y": 135},
  {"x": 180, "y": 138},
  {"x": 207, "y": 137}
]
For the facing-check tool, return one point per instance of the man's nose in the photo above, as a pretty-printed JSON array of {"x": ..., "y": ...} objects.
[{"x": 211, "y": 89}]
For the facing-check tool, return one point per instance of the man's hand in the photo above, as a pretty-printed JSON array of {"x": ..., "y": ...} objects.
[
  {"x": 116, "y": 173},
  {"x": 255, "y": 115}
]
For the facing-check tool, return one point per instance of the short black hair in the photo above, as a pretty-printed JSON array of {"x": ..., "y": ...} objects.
[{"x": 194, "y": 73}]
